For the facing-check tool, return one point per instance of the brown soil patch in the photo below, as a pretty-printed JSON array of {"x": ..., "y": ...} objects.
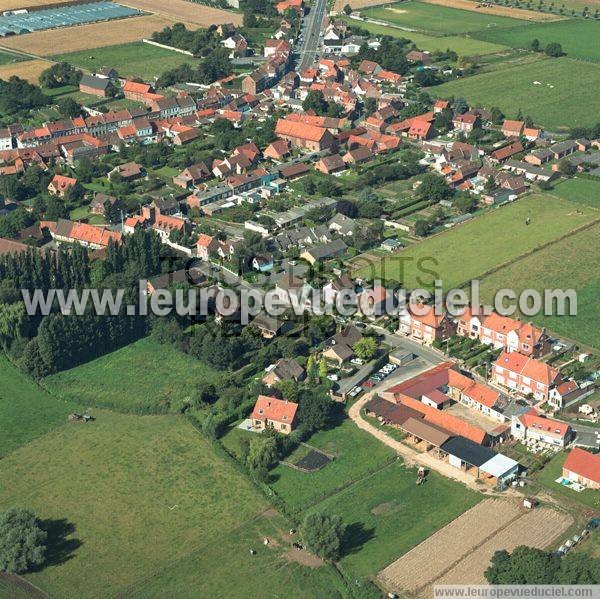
[
  {"x": 499, "y": 11},
  {"x": 84, "y": 37},
  {"x": 383, "y": 508},
  {"x": 270, "y": 513},
  {"x": 25, "y": 69},
  {"x": 186, "y": 11},
  {"x": 303, "y": 557}
]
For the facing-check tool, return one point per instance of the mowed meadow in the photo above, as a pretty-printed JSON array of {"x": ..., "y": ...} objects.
[
  {"x": 565, "y": 95},
  {"x": 470, "y": 250}
]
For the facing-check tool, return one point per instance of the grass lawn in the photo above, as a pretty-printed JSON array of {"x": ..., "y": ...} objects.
[
  {"x": 356, "y": 453},
  {"x": 269, "y": 573},
  {"x": 140, "y": 376},
  {"x": 563, "y": 265},
  {"x": 8, "y": 57},
  {"x": 134, "y": 59},
  {"x": 388, "y": 514},
  {"x": 26, "y": 411},
  {"x": 552, "y": 470},
  {"x": 461, "y": 45},
  {"x": 438, "y": 19},
  {"x": 583, "y": 191},
  {"x": 577, "y": 37},
  {"x": 123, "y": 497},
  {"x": 469, "y": 250},
  {"x": 514, "y": 89}
]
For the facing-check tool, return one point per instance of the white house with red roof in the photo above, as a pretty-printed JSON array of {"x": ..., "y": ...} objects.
[
  {"x": 61, "y": 184},
  {"x": 525, "y": 375},
  {"x": 583, "y": 467},
  {"x": 278, "y": 414},
  {"x": 535, "y": 428}
]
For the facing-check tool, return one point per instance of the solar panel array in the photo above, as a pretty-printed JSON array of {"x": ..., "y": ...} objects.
[{"x": 63, "y": 17}]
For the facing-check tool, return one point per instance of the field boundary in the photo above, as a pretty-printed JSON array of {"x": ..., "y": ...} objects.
[{"x": 532, "y": 251}]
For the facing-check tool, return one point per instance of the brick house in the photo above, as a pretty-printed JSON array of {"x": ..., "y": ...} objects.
[
  {"x": 525, "y": 375},
  {"x": 535, "y": 427},
  {"x": 278, "y": 414},
  {"x": 426, "y": 327},
  {"x": 304, "y": 136},
  {"x": 60, "y": 185},
  {"x": 583, "y": 467}
]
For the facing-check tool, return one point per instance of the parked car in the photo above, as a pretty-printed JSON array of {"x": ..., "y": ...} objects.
[
  {"x": 333, "y": 377},
  {"x": 356, "y": 391}
]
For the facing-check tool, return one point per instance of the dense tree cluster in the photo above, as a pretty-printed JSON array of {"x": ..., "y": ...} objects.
[
  {"x": 59, "y": 74},
  {"x": 22, "y": 541},
  {"x": 17, "y": 95}
]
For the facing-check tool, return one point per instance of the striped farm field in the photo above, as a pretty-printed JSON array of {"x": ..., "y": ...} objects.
[
  {"x": 502, "y": 11},
  {"x": 88, "y": 37}
]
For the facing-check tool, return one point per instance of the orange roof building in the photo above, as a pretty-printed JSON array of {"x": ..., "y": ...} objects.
[
  {"x": 583, "y": 467},
  {"x": 270, "y": 412}
]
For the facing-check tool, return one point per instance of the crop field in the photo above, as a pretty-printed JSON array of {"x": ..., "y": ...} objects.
[
  {"x": 123, "y": 497},
  {"x": 26, "y": 69},
  {"x": 538, "y": 528},
  {"x": 387, "y": 515},
  {"x": 563, "y": 265},
  {"x": 502, "y": 11},
  {"x": 470, "y": 250},
  {"x": 463, "y": 46},
  {"x": 88, "y": 37},
  {"x": 550, "y": 102},
  {"x": 26, "y": 411},
  {"x": 185, "y": 11},
  {"x": 577, "y": 37},
  {"x": 142, "y": 376},
  {"x": 448, "y": 545},
  {"x": 134, "y": 59},
  {"x": 16, "y": 4},
  {"x": 438, "y": 19}
]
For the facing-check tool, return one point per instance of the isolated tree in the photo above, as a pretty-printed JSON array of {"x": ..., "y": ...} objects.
[
  {"x": 348, "y": 9},
  {"x": 422, "y": 227},
  {"x": 323, "y": 535},
  {"x": 497, "y": 116},
  {"x": 433, "y": 188},
  {"x": 311, "y": 369},
  {"x": 535, "y": 45},
  {"x": 566, "y": 168},
  {"x": 366, "y": 348},
  {"x": 22, "y": 541},
  {"x": 460, "y": 106},
  {"x": 262, "y": 452},
  {"x": 323, "y": 370},
  {"x": 554, "y": 49},
  {"x": 314, "y": 409}
]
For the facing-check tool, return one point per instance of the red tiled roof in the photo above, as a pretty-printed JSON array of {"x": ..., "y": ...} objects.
[
  {"x": 299, "y": 130},
  {"x": 271, "y": 408},
  {"x": 532, "y": 419},
  {"x": 584, "y": 463},
  {"x": 528, "y": 367}
]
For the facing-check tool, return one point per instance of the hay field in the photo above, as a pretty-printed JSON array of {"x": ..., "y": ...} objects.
[
  {"x": 26, "y": 69},
  {"x": 460, "y": 552},
  {"x": 358, "y": 4},
  {"x": 14, "y": 4},
  {"x": 184, "y": 11},
  {"x": 87, "y": 37},
  {"x": 500, "y": 11}
]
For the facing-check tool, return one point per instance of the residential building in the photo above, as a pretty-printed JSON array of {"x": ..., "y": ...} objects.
[
  {"x": 582, "y": 467},
  {"x": 277, "y": 414},
  {"x": 535, "y": 428}
]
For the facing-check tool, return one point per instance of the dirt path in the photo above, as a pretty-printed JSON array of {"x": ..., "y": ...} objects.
[
  {"x": 30, "y": 589},
  {"x": 412, "y": 456}
]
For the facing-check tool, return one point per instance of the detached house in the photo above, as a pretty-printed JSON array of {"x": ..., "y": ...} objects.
[
  {"x": 583, "y": 467},
  {"x": 512, "y": 128},
  {"x": 537, "y": 428},
  {"x": 525, "y": 375},
  {"x": 60, "y": 185},
  {"x": 278, "y": 414},
  {"x": 465, "y": 122}
]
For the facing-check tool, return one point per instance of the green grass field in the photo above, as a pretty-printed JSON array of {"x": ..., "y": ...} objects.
[
  {"x": 577, "y": 37},
  {"x": 583, "y": 191},
  {"x": 469, "y": 250},
  {"x": 26, "y": 411},
  {"x": 438, "y": 19},
  {"x": 9, "y": 57},
  {"x": 564, "y": 265},
  {"x": 513, "y": 89},
  {"x": 356, "y": 453},
  {"x": 463, "y": 46},
  {"x": 134, "y": 59},
  {"x": 388, "y": 514},
  {"x": 128, "y": 497},
  {"x": 142, "y": 375}
]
